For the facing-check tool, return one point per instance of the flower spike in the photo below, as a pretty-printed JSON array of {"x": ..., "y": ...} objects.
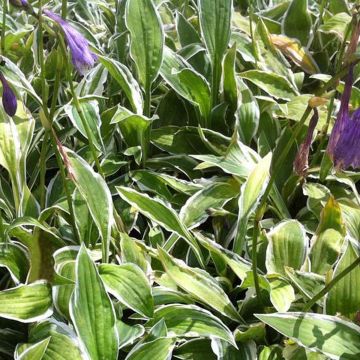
[
  {"x": 302, "y": 156},
  {"x": 81, "y": 55},
  {"x": 344, "y": 143},
  {"x": 8, "y": 97}
]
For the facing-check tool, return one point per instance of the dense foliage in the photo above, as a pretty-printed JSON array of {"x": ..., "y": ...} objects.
[{"x": 167, "y": 185}]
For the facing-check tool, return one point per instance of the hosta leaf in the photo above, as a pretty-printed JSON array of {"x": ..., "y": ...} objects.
[
  {"x": 129, "y": 285},
  {"x": 237, "y": 264},
  {"x": 287, "y": 247},
  {"x": 297, "y": 21},
  {"x": 135, "y": 130},
  {"x": 32, "y": 351},
  {"x": 97, "y": 195},
  {"x": 192, "y": 321},
  {"x": 247, "y": 114},
  {"x": 225, "y": 351},
  {"x": 127, "y": 82},
  {"x": 229, "y": 85},
  {"x": 160, "y": 213},
  {"x": 216, "y": 195},
  {"x": 336, "y": 338},
  {"x": 185, "y": 81},
  {"x": 131, "y": 252},
  {"x": 15, "y": 138},
  {"x": 62, "y": 293},
  {"x": 15, "y": 259},
  {"x": 281, "y": 294},
  {"x": 199, "y": 284},
  {"x": 90, "y": 112},
  {"x": 129, "y": 334},
  {"x": 215, "y": 24},
  {"x": 215, "y": 18},
  {"x": 62, "y": 343},
  {"x": 273, "y": 84},
  {"x": 86, "y": 227},
  {"x": 336, "y": 24},
  {"x": 329, "y": 237},
  {"x": 92, "y": 312},
  {"x": 239, "y": 160},
  {"x": 344, "y": 297},
  {"x": 196, "y": 349},
  {"x": 159, "y": 349},
  {"x": 147, "y": 39},
  {"x": 26, "y": 303},
  {"x": 308, "y": 283},
  {"x": 251, "y": 192}
]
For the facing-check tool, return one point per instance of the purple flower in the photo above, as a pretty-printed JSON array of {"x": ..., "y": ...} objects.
[
  {"x": 81, "y": 56},
  {"x": 19, "y": 3},
  {"x": 344, "y": 142},
  {"x": 8, "y": 97},
  {"x": 301, "y": 160}
]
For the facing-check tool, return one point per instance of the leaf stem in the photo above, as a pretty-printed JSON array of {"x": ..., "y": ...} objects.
[
  {"x": 147, "y": 105},
  {"x": 3, "y": 29},
  {"x": 64, "y": 9},
  {"x": 331, "y": 284}
]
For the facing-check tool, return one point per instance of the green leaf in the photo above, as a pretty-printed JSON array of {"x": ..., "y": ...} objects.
[
  {"x": 15, "y": 138},
  {"x": 216, "y": 195},
  {"x": 130, "y": 286},
  {"x": 186, "y": 82},
  {"x": 192, "y": 321},
  {"x": 248, "y": 113},
  {"x": 336, "y": 338},
  {"x": 159, "y": 349},
  {"x": 344, "y": 297},
  {"x": 62, "y": 344},
  {"x": 160, "y": 213},
  {"x": 147, "y": 39},
  {"x": 90, "y": 112},
  {"x": 97, "y": 195},
  {"x": 297, "y": 21},
  {"x": 135, "y": 130},
  {"x": 196, "y": 349},
  {"x": 251, "y": 192},
  {"x": 281, "y": 293},
  {"x": 131, "y": 252},
  {"x": 273, "y": 84},
  {"x": 26, "y": 303},
  {"x": 15, "y": 259},
  {"x": 215, "y": 24},
  {"x": 127, "y": 82},
  {"x": 237, "y": 264},
  {"x": 328, "y": 239},
  {"x": 92, "y": 312},
  {"x": 33, "y": 351},
  {"x": 128, "y": 334},
  {"x": 62, "y": 293},
  {"x": 229, "y": 84},
  {"x": 239, "y": 160},
  {"x": 308, "y": 283},
  {"x": 336, "y": 25},
  {"x": 199, "y": 284},
  {"x": 287, "y": 246}
]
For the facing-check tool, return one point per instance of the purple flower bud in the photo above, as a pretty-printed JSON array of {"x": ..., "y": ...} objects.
[
  {"x": 301, "y": 160},
  {"x": 19, "y": 3},
  {"x": 81, "y": 56},
  {"x": 8, "y": 97},
  {"x": 344, "y": 142}
]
